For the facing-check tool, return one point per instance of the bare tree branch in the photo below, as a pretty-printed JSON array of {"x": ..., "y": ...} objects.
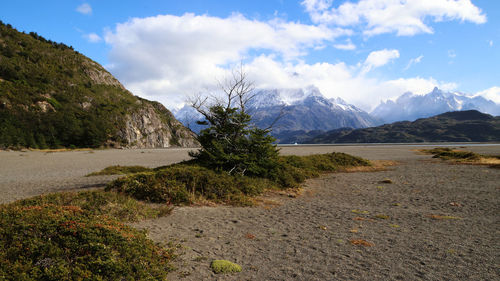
[{"x": 280, "y": 115}]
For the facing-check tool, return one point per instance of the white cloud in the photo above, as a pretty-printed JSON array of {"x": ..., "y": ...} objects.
[
  {"x": 492, "y": 93},
  {"x": 84, "y": 9},
  {"x": 338, "y": 80},
  {"x": 414, "y": 61},
  {"x": 490, "y": 43},
  {"x": 92, "y": 37},
  {"x": 172, "y": 56},
  {"x": 452, "y": 54},
  {"x": 379, "y": 58},
  {"x": 348, "y": 46},
  {"x": 405, "y": 18},
  {"x": 168, "y": 58}
]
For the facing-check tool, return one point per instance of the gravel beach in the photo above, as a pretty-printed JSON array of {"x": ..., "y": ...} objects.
[{"x": 433, "y": 221}]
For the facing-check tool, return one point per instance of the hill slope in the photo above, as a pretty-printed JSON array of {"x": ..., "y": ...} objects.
[
  {"x": 458, "y": 126},
  {"x": 52, "y": 96}
]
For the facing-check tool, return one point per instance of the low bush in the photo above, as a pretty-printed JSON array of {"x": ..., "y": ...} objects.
[
  {"x": 457, "y": 155},
  {"x": 464, "y": 157},
  {"x": 120, "y": 170},
  {"x": 189, "y": 182},
  {"x": 53, "y": 241},
  {"x": 185, "y": 184},
  {"x": 446, "y": 153}
]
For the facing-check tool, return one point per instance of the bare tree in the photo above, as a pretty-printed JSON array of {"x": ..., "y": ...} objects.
[{"x": 237, "y": 91}]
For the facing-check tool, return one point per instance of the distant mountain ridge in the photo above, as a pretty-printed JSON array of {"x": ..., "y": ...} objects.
[
  {"x": 409, "y": 107},
  {"x": 303, "y": 111},
  {"x": 457, "y": 126},
  {"x": 53, "y": 96}
]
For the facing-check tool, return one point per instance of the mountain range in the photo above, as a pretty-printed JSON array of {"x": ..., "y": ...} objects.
[
  {"x": 409, "y": 107},
  {"x": 299, "y": 115},
  {"x": 457, "y": 126},
  {"x": 53, "y": 96}
]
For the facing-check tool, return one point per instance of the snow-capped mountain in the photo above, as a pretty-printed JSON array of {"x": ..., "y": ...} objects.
[
  {"x": 411, "y": 107},
  {"x": 301, "y": 110},
  {"x": 188, "y": 116},
  {"x": 306, "y": 109}
]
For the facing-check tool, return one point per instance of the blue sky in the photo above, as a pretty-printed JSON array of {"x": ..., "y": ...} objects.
[{"x": 361, "y": 50}]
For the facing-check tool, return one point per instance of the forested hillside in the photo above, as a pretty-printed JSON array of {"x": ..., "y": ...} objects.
[{"x": 53, "y": 96}]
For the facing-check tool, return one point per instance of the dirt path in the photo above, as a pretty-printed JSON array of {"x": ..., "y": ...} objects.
[{"x": 309, "y": 238}]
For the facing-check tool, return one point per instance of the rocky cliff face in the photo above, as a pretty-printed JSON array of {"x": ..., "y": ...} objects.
[{"x": 153, "y": 126}]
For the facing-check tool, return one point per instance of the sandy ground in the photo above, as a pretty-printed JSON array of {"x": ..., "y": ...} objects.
[
  {"x": 309, "y": 237},
  {"x": 30, "y": 173}
]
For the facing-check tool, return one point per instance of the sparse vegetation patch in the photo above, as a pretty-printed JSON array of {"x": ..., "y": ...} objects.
[
  {"x": 120, "y": 170},
  {"x": 361, "y": 242},
  {"x": 463, "y": 157},
  {"x": 78, "y": 236},
  {"x": 440, "y": 217}
]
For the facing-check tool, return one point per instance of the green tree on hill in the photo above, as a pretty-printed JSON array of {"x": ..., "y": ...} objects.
[{"x": 231, "y": 143}]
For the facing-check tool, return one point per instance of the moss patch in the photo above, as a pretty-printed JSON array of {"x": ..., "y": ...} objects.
[{"x": 224, "y": 266}]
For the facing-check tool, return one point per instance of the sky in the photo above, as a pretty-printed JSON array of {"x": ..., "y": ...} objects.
[{"x": 364, "y": 51}]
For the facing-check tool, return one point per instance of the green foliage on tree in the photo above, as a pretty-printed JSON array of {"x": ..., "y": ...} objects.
[{"x": 231, "y": 143}]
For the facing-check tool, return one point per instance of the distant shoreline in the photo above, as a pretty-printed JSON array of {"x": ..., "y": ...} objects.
[{"x": 399, "y": 144}]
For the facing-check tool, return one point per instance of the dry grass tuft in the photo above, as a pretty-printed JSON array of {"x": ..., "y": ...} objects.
[
  {"x": 376, "y": 166},
  {"x": 388, "y": 181},
  {"x": 361, "y": 242},
  {"x": 363, "y": 219},
  {"x": 249, "y": 236},
  {"x": 456, "y": 156},
  {"x": 382, "y": 216},
  {"x": 439, "y": 217},
  {"x": 356, "y": 211}
]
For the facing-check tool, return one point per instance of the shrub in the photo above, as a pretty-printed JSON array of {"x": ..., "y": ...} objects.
[
  {"x": 65, "y": 242},
  {"x": 184, "y": 184},
  {"x": 450, "y": 154},
  {"x": 120, "y": 170},
  {"x": 188, "y": 182}
]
